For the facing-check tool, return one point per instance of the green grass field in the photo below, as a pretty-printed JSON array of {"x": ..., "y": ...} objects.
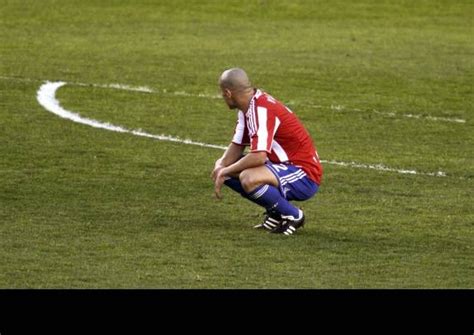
[{"x": 375, "y": 82}]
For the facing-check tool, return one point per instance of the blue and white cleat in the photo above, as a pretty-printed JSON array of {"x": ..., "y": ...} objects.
[
  {"x": 271, "y": 221},
  {"x": 289, "y": 224}
]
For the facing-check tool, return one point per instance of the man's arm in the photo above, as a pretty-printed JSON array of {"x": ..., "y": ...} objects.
[
  {"x": 231, "y": 155},
  {"x": 250, "y": 160}
]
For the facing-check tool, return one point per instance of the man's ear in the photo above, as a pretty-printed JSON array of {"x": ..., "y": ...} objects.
[{"x": 227, "y": 92}]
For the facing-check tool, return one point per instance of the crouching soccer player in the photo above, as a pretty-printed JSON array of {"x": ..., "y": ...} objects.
[{"x": 282, "y": 164}]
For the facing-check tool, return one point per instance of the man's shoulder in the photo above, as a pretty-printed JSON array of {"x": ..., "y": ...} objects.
[
  {"x": 265, "y": 99},
  {"x": 271, "y": 104}
]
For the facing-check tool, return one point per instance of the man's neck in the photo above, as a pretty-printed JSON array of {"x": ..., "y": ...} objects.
[{"x": 246, "y": 98}]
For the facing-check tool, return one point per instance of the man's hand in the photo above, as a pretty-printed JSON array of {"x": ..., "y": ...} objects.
[
  {"x": 219, "y": 179},
  {"x": 216, "y": 170},
  {"x": 217, "y": 167}
]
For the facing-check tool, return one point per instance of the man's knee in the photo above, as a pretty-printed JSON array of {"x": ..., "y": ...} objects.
[{"x": 248, "y": 181}]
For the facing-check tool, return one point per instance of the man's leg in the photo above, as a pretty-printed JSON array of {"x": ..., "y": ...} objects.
[{"x": 260, "y": 185}]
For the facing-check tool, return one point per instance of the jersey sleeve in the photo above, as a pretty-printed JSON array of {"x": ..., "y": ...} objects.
[
  {"x": 241, "y": 134},
  {"x": 265, "y": 124}
]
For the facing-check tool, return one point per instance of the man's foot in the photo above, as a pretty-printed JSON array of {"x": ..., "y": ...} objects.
[
  {"x": 271, "y": 221},
  {"x": 289, "y": 225}
]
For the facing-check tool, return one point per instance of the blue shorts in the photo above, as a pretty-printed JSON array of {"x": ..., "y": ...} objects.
[{"x": 293, "y": 182}]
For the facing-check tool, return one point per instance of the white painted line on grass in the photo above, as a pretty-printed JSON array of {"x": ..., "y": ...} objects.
[
  {"x": 46, "y": 97},
  {"x": 418, "y": 116},
  {"x": 340, "y": 108},
  {"x": 332, "y": 107},
  {"x": 145, "y": 89},
  {"x": 125, "y": 87},
  {"x": 381, "y": 167}
]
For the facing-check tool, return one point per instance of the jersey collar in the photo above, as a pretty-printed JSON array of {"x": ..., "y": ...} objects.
[{"x": 258, "y": 94}]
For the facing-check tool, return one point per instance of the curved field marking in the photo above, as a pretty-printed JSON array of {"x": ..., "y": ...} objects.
[{"x": 46, "y": 97}]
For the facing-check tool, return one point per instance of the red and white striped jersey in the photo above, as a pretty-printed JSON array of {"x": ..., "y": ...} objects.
[{"x": 270, "y": 126}]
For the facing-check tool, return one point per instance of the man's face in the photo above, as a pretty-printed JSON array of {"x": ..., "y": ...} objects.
[{"x": 227, "y": 95}]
